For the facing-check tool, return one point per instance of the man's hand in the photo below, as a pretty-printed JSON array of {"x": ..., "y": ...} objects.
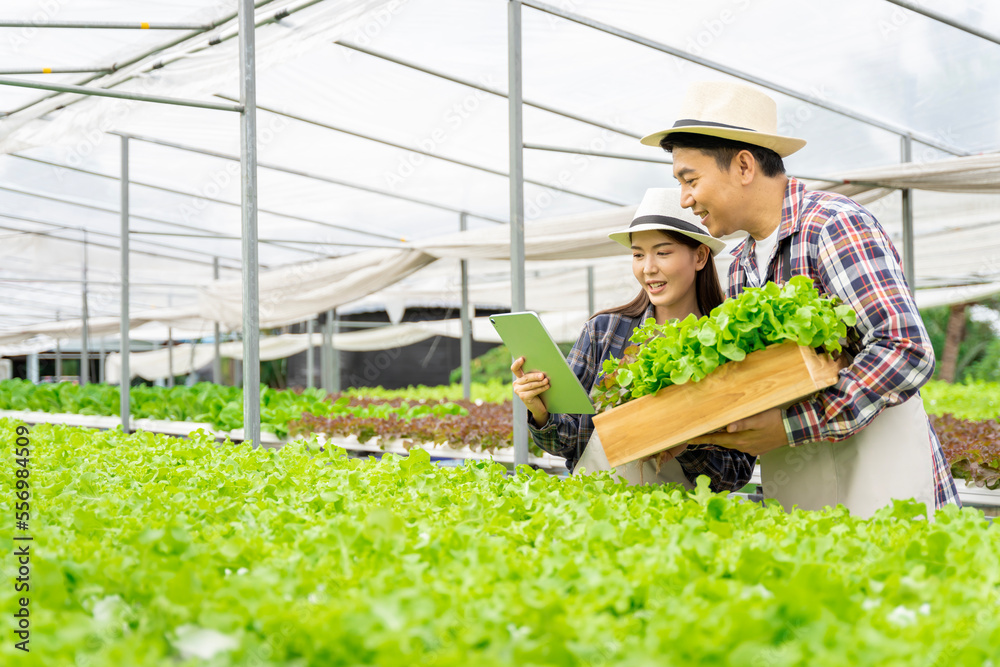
[{"x": 754, "y": 435}]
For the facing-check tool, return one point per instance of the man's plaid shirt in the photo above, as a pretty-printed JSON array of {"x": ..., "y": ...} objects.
[
  {"x": 843, "y": 248},
  {"x": 567, "y": 435}
]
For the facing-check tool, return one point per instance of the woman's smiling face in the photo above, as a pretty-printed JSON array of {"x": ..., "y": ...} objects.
[{"x": 666, "y": 269}]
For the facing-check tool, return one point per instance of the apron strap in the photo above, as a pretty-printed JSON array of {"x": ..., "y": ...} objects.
[{"x": 786, "y": 260}]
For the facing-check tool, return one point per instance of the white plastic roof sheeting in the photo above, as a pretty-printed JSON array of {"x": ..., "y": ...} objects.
[{"x": 332, "y": 108}]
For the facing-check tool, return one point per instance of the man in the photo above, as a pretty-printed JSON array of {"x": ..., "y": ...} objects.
[{"x": 867, "y": 439}]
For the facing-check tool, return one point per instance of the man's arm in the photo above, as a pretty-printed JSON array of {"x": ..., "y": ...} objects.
[{"x": 856, "y": 261}]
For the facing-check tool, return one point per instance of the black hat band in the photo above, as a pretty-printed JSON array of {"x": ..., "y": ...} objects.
[
  {"x": 667, "y": 221},
  {"x": 686, "y": 122}
]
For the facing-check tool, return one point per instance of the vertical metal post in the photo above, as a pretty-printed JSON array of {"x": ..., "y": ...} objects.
[
  {"x": 84, "y": 317},
  {"x": 248, "y": 205},
  {"x": 326, "y": 357},
  {"x": 100, "y": 360},
  {"x": 334, "y": 353},
  {"x": 33, "y": 368},
  {"x": 310, "y": 353},
  {"x": 170, "y": 349},
  {"x": 217, "y": 359},
  {"x": 125, "y": 347},
  {"x": 466, "y": 317},
  {"x": 58, "y": 355},
  {"x": 516, "y": 138},
  {"x": 170, "y": 357},
  {"x": 591, "y": 296},
  {"x": 909, "y": 254}
]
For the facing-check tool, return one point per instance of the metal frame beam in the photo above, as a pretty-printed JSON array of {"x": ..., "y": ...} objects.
[
  {"x": 486, "y": 89},
  {"x": 623, "y": 156},
  {"x": 108, "y": 25},
  {"x": 117, "y": 94},
  {"x": 581, "y": 151},
  {"x": 96, "y": 245},
  {"x": 318, "y": 177},
  {"x": 215, "y": 200},
  {"x": 55, "y": 70},
  {"x": 138, "y": 58},
  {"x": 272, "y": 241},
  {"x": 732, "y": 71},
  {"x": 941, "y": 18},
  {"x": 435, "y": 156},
  {"x": 97, "y": 233}
]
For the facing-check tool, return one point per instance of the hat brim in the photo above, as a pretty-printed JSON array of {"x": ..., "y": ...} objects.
[
  {"x": 623, "y": 237},
  {"x": 783, "y": 146}
]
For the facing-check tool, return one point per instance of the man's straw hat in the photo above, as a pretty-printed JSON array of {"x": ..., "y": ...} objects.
[{"x": 730, "y": 111}]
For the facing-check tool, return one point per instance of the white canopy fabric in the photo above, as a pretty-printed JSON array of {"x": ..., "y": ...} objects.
[
  {"x": 563, "y": 327},
  {"x": 382, "y": 122}
]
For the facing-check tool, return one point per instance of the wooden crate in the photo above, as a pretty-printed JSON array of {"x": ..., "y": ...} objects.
[{"x": 776, "y": 376}]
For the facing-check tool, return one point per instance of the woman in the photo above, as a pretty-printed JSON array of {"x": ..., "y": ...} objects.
[{"x": 671, "y": 260}]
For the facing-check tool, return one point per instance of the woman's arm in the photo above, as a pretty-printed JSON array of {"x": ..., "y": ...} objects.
[{"x": 564, "y": 434}]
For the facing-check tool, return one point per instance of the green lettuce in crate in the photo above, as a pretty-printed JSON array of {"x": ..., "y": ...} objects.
[{"x": 687, "y": 350}]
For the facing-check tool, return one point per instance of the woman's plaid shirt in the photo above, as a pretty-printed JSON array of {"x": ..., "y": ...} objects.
[
  {"x": 567, "y": 435},
  {"x": 843, "y": 248}
]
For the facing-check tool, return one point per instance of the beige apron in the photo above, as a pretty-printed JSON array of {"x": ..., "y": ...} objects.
[
  {"x": 594, "y": 459},
  {"x": 890, "y": 458}
]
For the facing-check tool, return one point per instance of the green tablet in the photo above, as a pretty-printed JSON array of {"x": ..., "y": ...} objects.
[{"x": 526, "y": 336}]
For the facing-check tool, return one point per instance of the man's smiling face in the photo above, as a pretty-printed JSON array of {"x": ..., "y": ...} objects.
[{"x": 712, "y": 194}]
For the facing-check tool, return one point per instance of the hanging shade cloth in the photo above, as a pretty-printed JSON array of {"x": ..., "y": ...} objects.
[{"x": 563, "y": 327}]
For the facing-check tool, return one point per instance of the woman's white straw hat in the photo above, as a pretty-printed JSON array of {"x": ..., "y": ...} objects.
[
  {"x": 660, "y": 209},
  {"x": 730, "y": 111}
]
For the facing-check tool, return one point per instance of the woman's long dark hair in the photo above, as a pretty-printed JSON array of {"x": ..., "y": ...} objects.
[{"x": 706, "y": 285}]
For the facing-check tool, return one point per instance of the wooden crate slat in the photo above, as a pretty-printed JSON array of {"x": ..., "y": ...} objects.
[{"x": 775, "y": 376}]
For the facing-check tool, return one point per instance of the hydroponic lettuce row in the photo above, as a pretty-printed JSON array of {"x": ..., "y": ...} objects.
[
  {"x": 686, "y": 351},
  {"x": 481, "y": 426},
  {"x": 150, "y": 550},
  {"x": 972, "y": 448},
  {"x": 973, "y": 400},
  {"x": 218, "y": 405}
]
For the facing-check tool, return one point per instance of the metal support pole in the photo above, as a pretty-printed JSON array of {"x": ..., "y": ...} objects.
[
  {"x": 33, "y": 367},
  {"x": 334, "y": 353},
  {"x": 248, "y": 198},
  {"x": 516, "y": 138},
  {"x": 170, "y": 357},
  {"x": 125, "y": 347},
  {"x": 591, "y": 296},
  {"x": 84, "y": 338},
  {"x": 677, "y": 52},
  {"x": 217, "y": 359},
  {"x": 100, "y": 360},
  {"x": 325, "y": 352},
  {"x": 117, "y": 94},
  {"x": 909, "y": 255},
  {"x": 108, "y": 25},
  {"x": 170, "y": 349},
  {"x": 947, "y": 20},
  {"x": 58, "y": 355},
  {"x": 310, "y": 353},
  {"x": 466, "y": 317}
]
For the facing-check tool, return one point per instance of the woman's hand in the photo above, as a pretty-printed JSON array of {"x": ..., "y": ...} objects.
[{"x": 528, "y": 387}]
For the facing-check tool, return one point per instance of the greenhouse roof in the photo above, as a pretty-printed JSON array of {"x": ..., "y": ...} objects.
[{"x": 383, "y": 124}]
